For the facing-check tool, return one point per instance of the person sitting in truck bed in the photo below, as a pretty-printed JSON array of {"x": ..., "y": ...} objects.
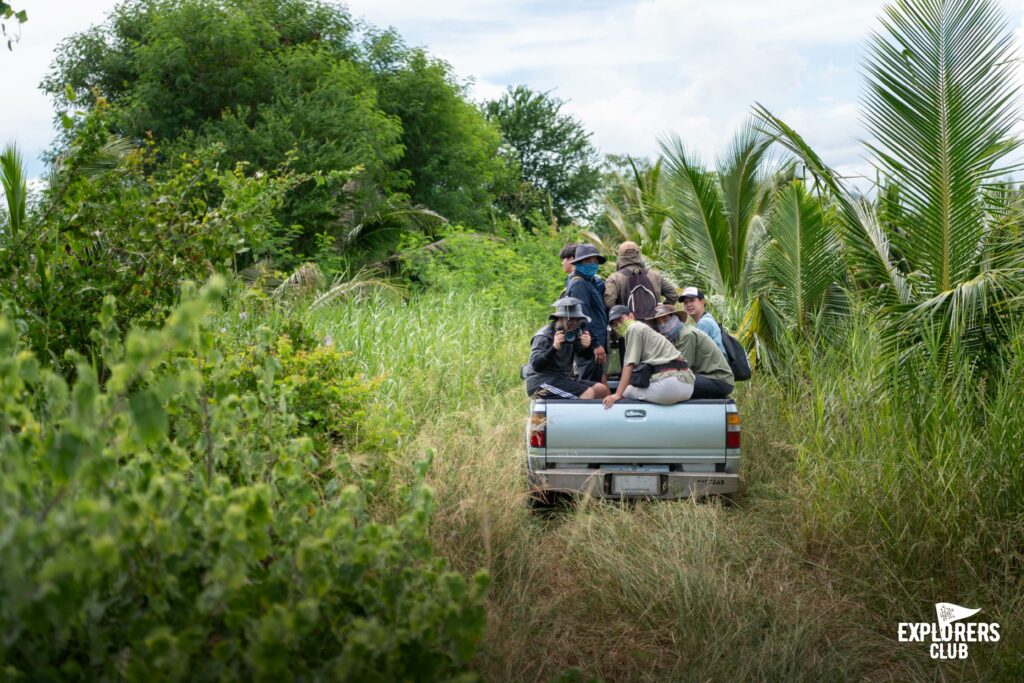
[
  {"x": 712, "y": 375},
  {"x": 671, "y": 379},
  {"x": 555, "y": 347}
]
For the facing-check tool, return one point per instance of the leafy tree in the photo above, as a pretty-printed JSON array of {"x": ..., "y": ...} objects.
[
  {"x": 105, "y": 226},
  {"x": 267, "y": 82},
  {"x": 284, "y": 81},
  {"x": 171, "y": 66},
  {"x": 322, "y": 115},
  {"x": 451, "y": 151},
  {"x": 945, "y": 265},
  {"x": 552, "y": 152}
]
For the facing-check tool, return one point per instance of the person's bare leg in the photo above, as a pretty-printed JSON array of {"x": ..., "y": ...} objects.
[{"x": 596, "y": 391}]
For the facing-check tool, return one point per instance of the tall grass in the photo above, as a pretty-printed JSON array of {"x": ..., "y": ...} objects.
[{"x": 866, "y": 499}]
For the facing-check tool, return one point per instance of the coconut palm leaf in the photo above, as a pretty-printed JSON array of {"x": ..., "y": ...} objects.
[
  {"x": 799, "y": 268},
  {"x": 940, "y": 103},
  {"x": 865, "y": 244},
  {"x": 304, "y": 280},
  {"x": 801, "y": 260},
  {"x": 699, "y": 222},
  {"x": 744, "y": 174},
  {"x": 716, "y": 216},
  {"x": 12, "y": 177},
  {"x": 367, "y": 279},
  {"x": 635, "y": 211}
]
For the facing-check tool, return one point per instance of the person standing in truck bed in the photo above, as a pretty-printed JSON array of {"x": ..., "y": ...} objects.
[
  {"x": 585, "y": 285},
  {"x": 671, "y": 380},
  {"x": 630, "y": 262},
  {"x": 555, "y": 347}
]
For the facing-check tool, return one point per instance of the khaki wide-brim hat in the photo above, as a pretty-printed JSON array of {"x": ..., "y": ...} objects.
[{"x": 665, "y": 309}]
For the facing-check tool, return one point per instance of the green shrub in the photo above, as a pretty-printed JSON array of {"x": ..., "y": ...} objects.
[
  {"x": 328, "y": 394},
  {"x": 167, "y": 524},
  {"x": 507, "y": 272},
  {"x": 106, "y": 227}
]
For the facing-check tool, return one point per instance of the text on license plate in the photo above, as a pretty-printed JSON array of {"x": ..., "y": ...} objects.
[{"x": 636, "y": 484}]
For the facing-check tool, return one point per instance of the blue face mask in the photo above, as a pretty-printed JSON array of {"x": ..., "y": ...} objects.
[
  {"x": 671, "y": 328},
  {"x": 587, "y": 269}
]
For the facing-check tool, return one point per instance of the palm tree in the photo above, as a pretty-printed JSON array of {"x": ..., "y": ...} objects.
[
  {"x": 798, "y": 273},
  {"x": 946, "y": 262},
  {"x": 635, "y": 210},
  {"x": 716, "y": 217}
]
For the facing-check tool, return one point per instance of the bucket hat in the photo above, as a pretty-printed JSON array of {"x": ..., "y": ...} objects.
[
  {"x": 568, "y": 307},
  {"x": 585, "y": 251},
  {"x": 667, "y": 309}
]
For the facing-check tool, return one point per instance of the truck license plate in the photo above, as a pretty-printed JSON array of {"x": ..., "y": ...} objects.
[{"x": 636, "y": 484}]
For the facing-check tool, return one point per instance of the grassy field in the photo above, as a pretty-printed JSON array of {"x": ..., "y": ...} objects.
[{"x": 860, "y": 509}]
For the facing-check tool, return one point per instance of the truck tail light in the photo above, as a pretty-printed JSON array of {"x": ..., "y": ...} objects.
[
  {"x": 732, "y": 429},
  {"x": 538, "y": 430}
]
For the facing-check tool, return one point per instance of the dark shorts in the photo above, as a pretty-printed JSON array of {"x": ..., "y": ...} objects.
[
  {"x": 705, "y": 387},
  {"x": 556, "y": 386}
]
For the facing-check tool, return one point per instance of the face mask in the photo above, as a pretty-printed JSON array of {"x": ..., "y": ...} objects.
[
  {"x": 671, "y": 327},
  {"x": 621, "y": 327},
  {"x": 587, "y": 269}
]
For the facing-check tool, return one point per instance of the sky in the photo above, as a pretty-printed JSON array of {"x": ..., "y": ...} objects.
[{"x": 632, "y": 71}]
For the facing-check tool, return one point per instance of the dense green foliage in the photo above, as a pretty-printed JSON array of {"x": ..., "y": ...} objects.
[
  {"x": 174, "y": 522},
  {"x": 557, "y": 164},
  {"x": 108, "y": 228},
  {"x": 311, "y": 471},
  {"x": 389, "y": 127}
]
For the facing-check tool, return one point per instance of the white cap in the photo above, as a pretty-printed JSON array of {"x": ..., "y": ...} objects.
[{"x": 691, "y": 291}]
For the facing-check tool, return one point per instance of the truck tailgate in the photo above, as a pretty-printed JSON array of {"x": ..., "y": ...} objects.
[{"x": 635, "y": 432}]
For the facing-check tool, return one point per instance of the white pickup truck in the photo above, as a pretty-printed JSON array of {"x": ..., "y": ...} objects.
[{"x": 634, "y": 449}]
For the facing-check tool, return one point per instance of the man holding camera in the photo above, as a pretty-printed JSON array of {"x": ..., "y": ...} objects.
[{"x": 555, "y": 348}]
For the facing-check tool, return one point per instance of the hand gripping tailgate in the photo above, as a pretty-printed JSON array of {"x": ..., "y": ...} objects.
[{"x": 635, "y": 432}]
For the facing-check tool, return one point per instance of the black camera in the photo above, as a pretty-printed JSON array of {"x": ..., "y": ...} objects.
[{"x": 570, "y": 335}]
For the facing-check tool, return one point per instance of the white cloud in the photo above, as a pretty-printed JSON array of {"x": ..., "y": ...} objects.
[{"x": 632, "y": 70}]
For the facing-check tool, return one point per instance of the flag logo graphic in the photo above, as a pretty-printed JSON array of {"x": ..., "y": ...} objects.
[{"x": 947, "y": 613}]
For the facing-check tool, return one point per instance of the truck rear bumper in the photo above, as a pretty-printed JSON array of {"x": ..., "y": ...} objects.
[{"x": 604, "y": 484}]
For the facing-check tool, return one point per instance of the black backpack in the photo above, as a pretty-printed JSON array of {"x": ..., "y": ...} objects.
[
  {"x": 736, "y": 355},
  {"x": 640, "y": 297}
]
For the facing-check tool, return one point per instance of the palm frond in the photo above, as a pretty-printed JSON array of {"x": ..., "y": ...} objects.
[
  {"x": 365, "y": 280},
  {"x": 742, "y": 176},
  {"x": 801, "y": 260},
  {"x": 865, "y": 243},
  {"x": 941, "y": 103},
  {"x": 699, "y": 222},
  {"x": 12, "y": 177},
  {"x": 108, "y": 157},
  {"x": 305, "y": 279}
]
